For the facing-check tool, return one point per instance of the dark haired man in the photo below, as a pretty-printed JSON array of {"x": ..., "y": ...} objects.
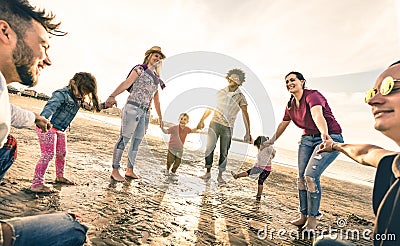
[
  {"x": 230, "y": 100},
  {"x": 24, "y": 41}
]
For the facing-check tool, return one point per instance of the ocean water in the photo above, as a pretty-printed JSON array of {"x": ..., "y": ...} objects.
[{"x": 343, "y": 168}]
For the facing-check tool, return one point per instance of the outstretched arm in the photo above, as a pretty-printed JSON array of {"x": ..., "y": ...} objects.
[
  {"x": 281, "y": 128},
  {"x": 158, "y": 107},
  {"x": 246, "y": 121},
  {"x": 320, "y": 122},
  {"x": 207, "y": 113},
  {"x": 366, "y": 154},
  {"x": 121, "y": 88}
]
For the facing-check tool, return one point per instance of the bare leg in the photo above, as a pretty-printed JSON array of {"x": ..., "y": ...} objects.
[
  {"x": 259, "y": 190},
  {"x": 7, "y": 234},
  {"x": 239, "y": 175}
]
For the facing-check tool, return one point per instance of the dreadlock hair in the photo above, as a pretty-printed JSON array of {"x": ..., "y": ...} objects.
[
  {"x": 237, "y": 71},
  {"x": 87, "y": 86},
  {"x": 260, "y": 140},
  {"x": 20, "y": 13},
  {"x": 300, "y": 77}
]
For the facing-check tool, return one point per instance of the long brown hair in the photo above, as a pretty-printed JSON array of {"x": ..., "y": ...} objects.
[{"x": 86, "y": 84}]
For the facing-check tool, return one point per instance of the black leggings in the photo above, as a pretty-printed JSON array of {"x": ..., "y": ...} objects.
[{"x": 263, "y": 174}]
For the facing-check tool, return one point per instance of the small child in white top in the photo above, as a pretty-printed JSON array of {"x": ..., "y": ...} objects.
[{"x": 262, "y": 166}]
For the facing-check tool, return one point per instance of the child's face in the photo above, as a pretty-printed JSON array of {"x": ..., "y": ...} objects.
[{"x": 183, "y": 120}]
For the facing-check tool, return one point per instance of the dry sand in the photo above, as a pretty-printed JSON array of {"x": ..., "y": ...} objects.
[{"x": 159, "y": 210}]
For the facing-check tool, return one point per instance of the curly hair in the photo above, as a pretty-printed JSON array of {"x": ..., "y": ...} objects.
[
  {"x": 237, "y": 71},
  {"x": 20, "y": 13}
]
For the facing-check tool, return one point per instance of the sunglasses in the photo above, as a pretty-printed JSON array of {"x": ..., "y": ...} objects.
[{"x": 386, "y": 88}]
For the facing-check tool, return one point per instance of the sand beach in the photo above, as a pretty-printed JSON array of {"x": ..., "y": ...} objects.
[{"x": 182, "y": 210}]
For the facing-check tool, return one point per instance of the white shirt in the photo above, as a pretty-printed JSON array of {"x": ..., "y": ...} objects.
[
  {"x": 10, "y": 114},
  {"x": 228, "y": 106}
]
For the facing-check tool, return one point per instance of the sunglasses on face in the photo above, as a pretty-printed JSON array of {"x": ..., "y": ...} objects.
[{"x": 387, "y": 86}]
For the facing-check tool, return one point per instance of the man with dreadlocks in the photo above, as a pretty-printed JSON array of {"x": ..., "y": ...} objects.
[{"x": 230, "y": 100}]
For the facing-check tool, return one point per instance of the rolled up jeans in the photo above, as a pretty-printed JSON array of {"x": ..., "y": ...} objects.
[{"x": 47, "y": 229}]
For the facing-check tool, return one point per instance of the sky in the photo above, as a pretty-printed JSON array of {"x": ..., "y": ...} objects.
[{"x": 339, "y": 46}]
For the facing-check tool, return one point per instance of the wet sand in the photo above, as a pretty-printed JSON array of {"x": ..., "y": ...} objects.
[{"x": 161, "y": 210}]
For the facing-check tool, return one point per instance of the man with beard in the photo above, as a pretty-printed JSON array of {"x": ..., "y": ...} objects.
[{"x": 24, "y": 41}]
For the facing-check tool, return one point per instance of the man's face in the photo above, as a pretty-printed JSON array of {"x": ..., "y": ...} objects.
[
  {"x": 30, "y": 54},
  {"x": 386, "y": 109}
]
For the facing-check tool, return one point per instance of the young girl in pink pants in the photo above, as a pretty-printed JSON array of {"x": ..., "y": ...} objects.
[{"x": 62, "y": 108}]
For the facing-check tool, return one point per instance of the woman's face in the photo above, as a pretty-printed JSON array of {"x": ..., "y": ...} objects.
[
  {"x": 154, "y": 58},
  {"x": 293, "y": 84},
  {"x": 386, "y": 108}
]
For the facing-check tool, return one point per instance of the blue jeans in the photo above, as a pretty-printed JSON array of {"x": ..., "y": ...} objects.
[
  {"x": 133, "y": 127},
  {"x": 311, "y": 165},
  {"x": 225, "y": 134},
  {"x": 48, "y": 229},
  {"x": 7, "y": 155}
]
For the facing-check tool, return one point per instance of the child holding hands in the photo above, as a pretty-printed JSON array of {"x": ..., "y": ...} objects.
[
  {"x": 262, "y": 166},
  {"x": 61, "y": 109},
  {"x": 176, "y": 141}
]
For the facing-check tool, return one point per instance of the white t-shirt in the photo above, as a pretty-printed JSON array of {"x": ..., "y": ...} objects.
[{"x": 10, "y": 114}]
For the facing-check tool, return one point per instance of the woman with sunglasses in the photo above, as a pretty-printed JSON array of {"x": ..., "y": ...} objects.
[
  {"x": 309, "y": 110},
  {"x": 384, "y": 100}
]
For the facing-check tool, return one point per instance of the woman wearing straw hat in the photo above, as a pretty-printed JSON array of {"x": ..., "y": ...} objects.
[{"x": 142, "y": 84}]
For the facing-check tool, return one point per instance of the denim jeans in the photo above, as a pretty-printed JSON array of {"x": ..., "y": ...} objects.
[
  {"x": 7, "y": 155},
  {"x": 224, "y": 134},
  {"x": 133, "y": 127},
  {"x": 311, "y": 165},
  {"x": 49, "y": 229}
]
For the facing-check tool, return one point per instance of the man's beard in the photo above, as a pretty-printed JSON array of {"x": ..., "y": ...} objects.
[{"x": 23, "y": 57}]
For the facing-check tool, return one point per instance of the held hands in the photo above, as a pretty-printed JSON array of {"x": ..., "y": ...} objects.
[
  {"x": 247, "y": 138},
  {"x": 110, "y": 102},
  {"x": 43, "y": 123},
  {"x": 326, "y": 146},
  {"x": 200, "y": 125}
]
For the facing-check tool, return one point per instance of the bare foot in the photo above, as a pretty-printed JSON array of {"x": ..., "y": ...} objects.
[
  {"x": 300, "y": 221},
  {"x": 130, "y": 174},
  {"x": 115, "y": 175},
  {"x": 43, "y": 189},
  {"x": 206, "y": 176},
  {"x": 311, "y": 224},
  {"x": 220, "y": 180},
  {"x": 235, "y": 176},
  {"x": 62, "y": 180}
]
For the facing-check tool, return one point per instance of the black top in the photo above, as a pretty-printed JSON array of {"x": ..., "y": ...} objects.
[{"x": 386, "y": 203}]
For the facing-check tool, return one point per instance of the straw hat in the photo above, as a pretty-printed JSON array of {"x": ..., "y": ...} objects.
[{"x": 153, "y": 49}]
